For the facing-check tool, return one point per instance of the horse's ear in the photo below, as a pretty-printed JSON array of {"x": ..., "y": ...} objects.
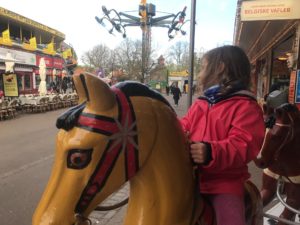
[
  {"x": 79, "y": 88},
  {"x": 99, "y": 95}
]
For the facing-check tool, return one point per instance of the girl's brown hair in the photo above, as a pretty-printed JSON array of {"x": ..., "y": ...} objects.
[{"x": 227, "y": 66}]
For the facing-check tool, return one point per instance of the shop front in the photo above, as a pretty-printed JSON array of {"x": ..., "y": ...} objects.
[
  {"x": 269, "y": 32},
  {"x": 24, "y": 75},
  {"x": 27, "y": 66},
  {"x": 23, "y": 68}
]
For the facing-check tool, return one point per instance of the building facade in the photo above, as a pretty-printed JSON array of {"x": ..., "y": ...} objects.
[
  {"x": 27, "y": 41},
  {"x": 269, "y": 32}
]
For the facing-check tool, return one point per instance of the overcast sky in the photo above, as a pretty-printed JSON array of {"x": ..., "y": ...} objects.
[{"x": 76, "y": 19}]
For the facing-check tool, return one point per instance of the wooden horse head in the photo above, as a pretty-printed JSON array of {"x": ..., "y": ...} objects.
[
  {"x": 280, "y": 151},
  {"x": 127, "y": 132}
]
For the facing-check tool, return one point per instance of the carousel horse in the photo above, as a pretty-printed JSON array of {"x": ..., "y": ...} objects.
[
  {"x": 280, "y": 156},
  {"x": 127, "y": 132}
]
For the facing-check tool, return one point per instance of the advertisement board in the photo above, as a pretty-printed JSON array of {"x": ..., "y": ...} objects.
[
  {"x": 183, "y": 73},
  {"x": 48, "y": 60},
  {"x": 292, "y": 87},
  {"x": 297, "y": 96},
  {"x": 10, "y": 85},
  {"x": 270, "y": 10},
  {"x": 58, "y": 63}
]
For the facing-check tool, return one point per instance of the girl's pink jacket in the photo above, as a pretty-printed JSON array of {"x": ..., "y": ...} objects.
[{"x": 235, "y": 129}]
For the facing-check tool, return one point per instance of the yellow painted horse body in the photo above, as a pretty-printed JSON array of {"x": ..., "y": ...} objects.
[{"x": 127, "y": 132}]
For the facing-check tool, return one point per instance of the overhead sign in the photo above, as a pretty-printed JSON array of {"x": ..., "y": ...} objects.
[
  {"x": 270, "y": 10},
  {"x": 184, "y": 73},
  {"x": 20, "y": 56}
]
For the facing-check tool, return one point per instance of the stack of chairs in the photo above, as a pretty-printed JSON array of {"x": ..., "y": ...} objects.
[
  {"x": 12, "y": 108},
  {"x": 3, "y": 110},
  {"x": 24, "y": 103},
  {"x": 53, "y": 102},
  {"x": 29, "y": 103},
  {"x": 8, "y": 108},
  {"x": 74, "y": 99}
]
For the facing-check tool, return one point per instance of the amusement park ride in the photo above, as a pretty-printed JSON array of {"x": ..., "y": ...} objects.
[{"x": 119, "y": 21}]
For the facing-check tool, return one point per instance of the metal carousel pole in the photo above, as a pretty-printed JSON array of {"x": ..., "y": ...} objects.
[{"x": 191, "y": 52}]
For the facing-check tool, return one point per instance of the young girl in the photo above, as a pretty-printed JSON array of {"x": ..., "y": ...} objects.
[{"x": 226, "y": 129}]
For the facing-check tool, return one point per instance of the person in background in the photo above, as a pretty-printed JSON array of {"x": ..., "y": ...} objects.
[
  {"x": 167, "y": 90},
  {"x": 184, "y": 89},
  {"x": 176, "y": 93},
  {"x": 226, "y": 129}
]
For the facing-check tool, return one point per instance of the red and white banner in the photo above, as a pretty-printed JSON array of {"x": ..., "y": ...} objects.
[
  {"x": 58, "y": 63},
  {"x": 48, "y": 60}
]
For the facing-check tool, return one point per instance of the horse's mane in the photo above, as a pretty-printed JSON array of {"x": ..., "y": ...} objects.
[
  {"x": 131, "y": 88},
  {"x": 69, "y": 118},
  {"x": 293, "y": 113},
  {"x": 289, "y": 107}
]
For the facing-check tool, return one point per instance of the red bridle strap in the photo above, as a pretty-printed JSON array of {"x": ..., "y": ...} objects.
[{"x": 122, "y": 136}]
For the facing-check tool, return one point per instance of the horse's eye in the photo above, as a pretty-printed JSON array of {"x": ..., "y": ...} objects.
[{"x": 79, "y": 158}]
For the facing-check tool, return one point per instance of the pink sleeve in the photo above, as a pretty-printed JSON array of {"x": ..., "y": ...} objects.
[{"x": 244, "y": 140}]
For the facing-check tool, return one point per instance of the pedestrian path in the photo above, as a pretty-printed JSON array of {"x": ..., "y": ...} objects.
[{"x": 112, "y": 217}]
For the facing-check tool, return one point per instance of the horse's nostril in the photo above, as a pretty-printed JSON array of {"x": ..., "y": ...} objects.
[{"x": 260, "y": 163}]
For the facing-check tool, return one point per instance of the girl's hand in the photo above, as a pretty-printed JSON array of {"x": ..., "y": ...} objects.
[{"x": 199, "y": 152}]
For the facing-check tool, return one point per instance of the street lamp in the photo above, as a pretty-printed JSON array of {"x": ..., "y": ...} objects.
[{"x": 120, "y": 20}]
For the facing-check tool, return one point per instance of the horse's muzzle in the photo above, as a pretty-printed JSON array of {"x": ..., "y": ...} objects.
[{"x": 260, "y": 163}]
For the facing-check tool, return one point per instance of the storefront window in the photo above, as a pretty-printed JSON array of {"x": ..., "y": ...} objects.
[
  {"x": 280, "y": 76},
  {"x": 27, "y": 81},
  {"x": 20, "y": 83},
  {"x": 37, "y": 81}
]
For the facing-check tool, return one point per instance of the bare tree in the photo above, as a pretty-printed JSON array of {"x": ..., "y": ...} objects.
[
  {"x": 98, "y": 57},
  {"x": 129, "y": 57},
  {"x": 179, "y": 53}
]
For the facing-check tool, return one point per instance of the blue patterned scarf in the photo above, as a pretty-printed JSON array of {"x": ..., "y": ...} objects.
[{"x": 213, "y": 94}]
